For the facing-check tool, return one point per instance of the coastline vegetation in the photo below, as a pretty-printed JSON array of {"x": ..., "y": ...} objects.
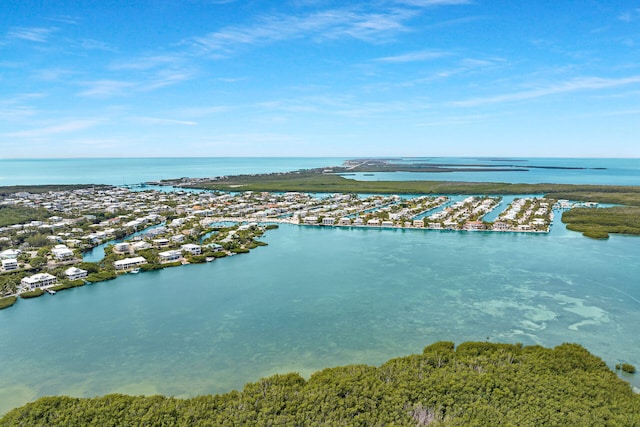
[
  {"x": 7, "y": 302},
  {"x": 32, "y": 294},
  {"x": 477, "y": 383},
  {"x": 598, "y": 223},
  {"x": 68, "y": 285},
  {"x": 314, "y": 181}
]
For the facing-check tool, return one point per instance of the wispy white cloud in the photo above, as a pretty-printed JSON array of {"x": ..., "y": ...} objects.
[
  {"x": 52, "y": 74},
  {"x": 343, "y": 106},
  {"x": 65, "y": 19},
  {"x": 630, "y": 16},
  {"x": 165, "y": 78},
  {"x": 164, "y": 121},
  {"x": 90, "y": 44},
  {"x": 147, "y": 62},
  {"x": 18, "y": 112},
  {"x": 17, "y": 107},
  {"x": 204, "y": 111},
  {"x": 231, "y": 79},
  {"x": 71, "y": 126},
  {"x": 422, "y": 55},
  {"x": 431, "y": 3},
  {"x": 19, "y": 98},
  {"x": 105, "y": 88},
  {"x": 34, "y": 34},
  {"x": 575, "y": 85},
  {"x": 328, "y": 24},
  {"x": 156, "y": 80}
]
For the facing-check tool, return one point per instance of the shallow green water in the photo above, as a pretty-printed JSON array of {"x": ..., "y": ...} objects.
[{"x": 316, "y": 298}]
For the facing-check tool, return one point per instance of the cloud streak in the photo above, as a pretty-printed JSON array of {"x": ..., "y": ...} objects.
[
  {"x": 575, "y": 85},
  {"x": 329, "y": 24},
  {"x": 161, "y": 121},
  {"x": 71, "y": 126},
  {"x": 423, "y": 55},
  {"x": 33, "y": 34}
]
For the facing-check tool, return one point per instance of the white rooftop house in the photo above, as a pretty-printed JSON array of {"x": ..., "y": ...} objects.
[
  {"x": 328, "y": 221},
  {"x": 310, "y": 219},
  {"x": 344, "y": 221},
  {"x": 40, "y": 280},
  {"x": 160, "y": 243},
  {"x": 74, "y": 273},
  {"x": 192, "y": 249},
  {"x": 10, "y": 254},
  {"x": 140, "y": 246},
  {"x": 168, "y": 256},
  {"x": 121, "y": 247},
  {"x": 61, "y": 253},
  {"x": 127, "y": 263},
  {"x": 9, "y": 264}
]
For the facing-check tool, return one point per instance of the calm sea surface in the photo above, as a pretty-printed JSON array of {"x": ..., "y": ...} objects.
[
  {"x": 319, "y": 297},
  {"x": 133, "y": 171}
]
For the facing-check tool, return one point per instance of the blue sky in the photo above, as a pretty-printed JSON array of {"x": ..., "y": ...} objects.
[{"x": 153, "y": 78}]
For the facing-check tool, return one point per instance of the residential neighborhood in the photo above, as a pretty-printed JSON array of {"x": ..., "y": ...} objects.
[{"x": 149, "y": 229}]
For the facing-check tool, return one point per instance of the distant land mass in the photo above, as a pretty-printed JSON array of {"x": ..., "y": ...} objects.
[{"x": 392, "y": 165}]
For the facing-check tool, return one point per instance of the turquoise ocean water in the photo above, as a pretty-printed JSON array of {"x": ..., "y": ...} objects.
[
  {"x": 115, "y": 171},
  {"x": 319, "y": 297}
]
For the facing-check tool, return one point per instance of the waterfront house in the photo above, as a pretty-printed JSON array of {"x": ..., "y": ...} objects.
[
  {"x": 121, "y": 247},
  {"x": 127, "y": 263},
  {"x": 419, "y": 223},
  {"x": 160, "y": 243},
  {"x": 9, "y": 264},
  {"x": 387, "y": 223},
  {"x": 500, "y": 226},
  {"x": 192, "y": 249},
  {"x": 62, "y": 253},
  {"x": 215, "y": 247},
  {"x": 74, "y": 273},
  {"x": 328, "y": 221},
  {"x": 40, "y": 280},
  {"x": 373, "y": 222},
  {"x": 358, "y": 221},
  {"x": 169, "y": 256},
  {"x": 344, "y": 221},
  {"x": 178, "y": 238},
  {"x": 311, "y": 220},
  {"x": 474, "y": 226},
  {"x": 140, "y": 246}
]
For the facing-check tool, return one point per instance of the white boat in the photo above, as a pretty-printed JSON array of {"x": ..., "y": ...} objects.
[{"x": 135, "y": 271}]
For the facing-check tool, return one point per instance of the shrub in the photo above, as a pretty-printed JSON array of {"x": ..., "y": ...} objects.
[
  {"x": 7, "y": 302},
  {"x": 596, "y": 234},
  {"x": 32, "y": 294},
  {"x": 626, "y": 367},
  {"x": 220, "y": 254}
]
